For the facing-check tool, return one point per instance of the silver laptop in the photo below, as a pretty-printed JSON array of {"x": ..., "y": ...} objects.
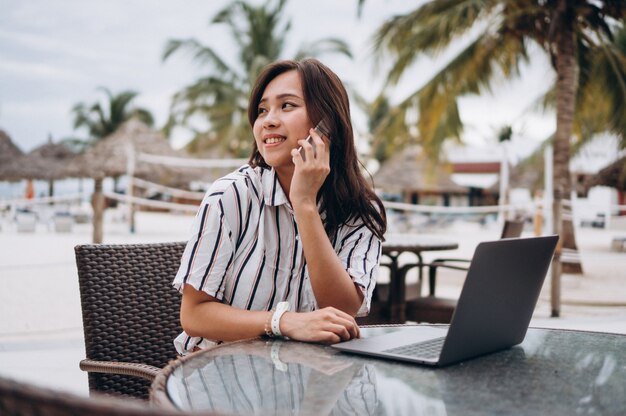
[{"x": 493, "y": 311}]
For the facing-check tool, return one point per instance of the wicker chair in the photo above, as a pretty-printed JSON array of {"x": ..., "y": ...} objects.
[
  {"x": 130, "y": 313},
  {"x": 22, "y": 399}
]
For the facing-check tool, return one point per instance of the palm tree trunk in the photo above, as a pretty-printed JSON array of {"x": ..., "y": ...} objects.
[{"x": 567, "y": 71}]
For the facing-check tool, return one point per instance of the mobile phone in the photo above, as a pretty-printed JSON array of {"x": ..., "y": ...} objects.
[{"x": 321, "y": 129}]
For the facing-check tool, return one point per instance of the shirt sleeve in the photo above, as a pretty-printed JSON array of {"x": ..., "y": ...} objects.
[
  {"x": 209, "y": 252},
  {"x": 359, "y": 251}
]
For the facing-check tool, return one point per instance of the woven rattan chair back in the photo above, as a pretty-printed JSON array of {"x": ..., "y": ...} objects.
[
  {"x": 21, "y": 399},
  {"x": 130, "y": 310}
]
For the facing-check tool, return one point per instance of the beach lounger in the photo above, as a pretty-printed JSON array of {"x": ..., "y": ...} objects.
[{"x": 26, "y": 221}]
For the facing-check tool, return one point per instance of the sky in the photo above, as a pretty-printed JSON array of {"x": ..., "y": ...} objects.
[{"x": 54, "y": 54}]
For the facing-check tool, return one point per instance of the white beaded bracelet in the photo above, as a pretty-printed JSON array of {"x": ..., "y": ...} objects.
[{"x": 281, "y": 308}]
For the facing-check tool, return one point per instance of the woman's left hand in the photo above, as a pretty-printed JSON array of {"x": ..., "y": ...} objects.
[
  {"x": 310, "y": 172},
  {"x": 328, "y": 326}
]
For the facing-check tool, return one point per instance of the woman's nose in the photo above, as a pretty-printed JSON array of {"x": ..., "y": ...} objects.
[{"x": 271, "y": 119}]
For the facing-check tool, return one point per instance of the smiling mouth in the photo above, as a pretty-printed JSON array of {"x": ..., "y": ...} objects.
[{"x": 274, "y": 140}]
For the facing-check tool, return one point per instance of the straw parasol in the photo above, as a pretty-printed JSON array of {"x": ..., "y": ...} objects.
[
  {"x": 109, "y": 157},
  {"x": 46, "y": 162},
  {"x": 613, "y": 175},
  {"x": 409, "y": 170},
  {"x": 8, "y": 153}
]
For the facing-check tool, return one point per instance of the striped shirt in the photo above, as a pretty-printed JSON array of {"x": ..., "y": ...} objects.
[{"x": 246, "y": 252}]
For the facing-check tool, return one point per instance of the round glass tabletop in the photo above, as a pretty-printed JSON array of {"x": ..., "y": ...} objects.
[{"x": 551, "y": 372}]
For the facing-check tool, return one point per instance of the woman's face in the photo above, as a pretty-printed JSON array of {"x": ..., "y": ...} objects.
[{"x": 282, "y": 120}]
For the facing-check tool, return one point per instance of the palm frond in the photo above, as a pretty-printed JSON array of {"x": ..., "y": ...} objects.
[
  {"x": 144, "y": 115},
  {"x": 220, "y": 96},
  {"x": 202, "y": 55},
  {"x": 429, "y": 30},
  {"x": 118, "y": 106},
  {"x": 100, "y": 121},
  {"x": 471, "y": 72},
  {"x": 323, "y": 46}
]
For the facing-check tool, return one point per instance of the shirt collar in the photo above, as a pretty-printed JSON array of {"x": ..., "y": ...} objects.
[{"x": 273, "y": 192}]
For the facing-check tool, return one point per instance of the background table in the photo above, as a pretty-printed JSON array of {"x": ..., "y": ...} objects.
[
  {"x": 554, "y": 372},
  {"x": 393, "y": 247}
]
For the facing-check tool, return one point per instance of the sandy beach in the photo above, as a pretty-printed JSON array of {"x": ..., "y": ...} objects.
[{"x": 41, "y": 338}]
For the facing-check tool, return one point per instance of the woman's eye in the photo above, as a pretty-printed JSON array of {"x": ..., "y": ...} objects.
[
  {"x": 261, "y": 111},
  {"x": 288, "y": 105}
]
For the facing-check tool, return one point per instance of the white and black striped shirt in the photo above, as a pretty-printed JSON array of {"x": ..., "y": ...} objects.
[{"x": 245, "y": 250}]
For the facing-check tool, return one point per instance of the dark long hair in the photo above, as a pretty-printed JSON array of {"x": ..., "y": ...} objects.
[{"x": 345, "y": 194}]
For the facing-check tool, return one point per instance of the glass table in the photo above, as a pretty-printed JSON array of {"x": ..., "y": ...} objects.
[{"x": 552, "y": 372}]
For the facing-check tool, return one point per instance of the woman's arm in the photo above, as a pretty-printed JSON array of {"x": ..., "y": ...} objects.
[
  {"x": 331, "y": 283},
  {"x": 204, "y": 316}
]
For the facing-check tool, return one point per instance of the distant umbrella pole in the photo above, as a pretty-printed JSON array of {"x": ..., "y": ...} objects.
[
  {"x": 98, "y": 210},
  {"x": 130, "y": 173}
]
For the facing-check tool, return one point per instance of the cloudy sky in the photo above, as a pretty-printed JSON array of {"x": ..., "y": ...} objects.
[{"x": 54, "y": 54}]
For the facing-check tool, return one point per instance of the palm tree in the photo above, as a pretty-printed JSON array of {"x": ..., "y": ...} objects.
[
  {"x": 221, "y": 97},
  {"x": 601, "y": 101},
  {"x": 102, "y": 119},
  {"x": 377, "y": 113},
  {"x": 569, "y": 31}
]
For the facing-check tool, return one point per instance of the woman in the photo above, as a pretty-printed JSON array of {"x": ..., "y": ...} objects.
[{"x": 289, "y": 244}]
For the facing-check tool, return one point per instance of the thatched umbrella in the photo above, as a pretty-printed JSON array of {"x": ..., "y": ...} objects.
[
  {"x": 8, "y": 153},
  {"x": 613, "y": 175},
  {"x": 110, "y": 158},
  {"x": 46, "y": 162},
  {"x": 411, "y": 172}
]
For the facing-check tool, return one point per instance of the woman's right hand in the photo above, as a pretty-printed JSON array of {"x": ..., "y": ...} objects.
[{"x": 328, "y": 325}]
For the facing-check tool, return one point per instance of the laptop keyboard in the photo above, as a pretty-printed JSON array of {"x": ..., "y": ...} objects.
[{"x": 428, "y": 350}]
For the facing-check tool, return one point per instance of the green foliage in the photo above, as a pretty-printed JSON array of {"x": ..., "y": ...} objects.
[
  {"x": 102, "y": 119},
  {"x": 500, "y": 33},
  {"x": 221, "y": 96},
  {"x": 505, "y": 133}
]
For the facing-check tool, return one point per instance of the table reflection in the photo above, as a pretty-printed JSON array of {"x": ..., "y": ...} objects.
[
  {"x": 552, "y": 372},
  {"x": 275, "y": 377}
]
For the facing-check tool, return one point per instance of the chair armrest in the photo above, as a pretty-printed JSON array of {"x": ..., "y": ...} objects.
[
  {"x": 451, "y": 260},
  {"x": 434, "y": 265},
  {"x": 446, "y": 263},
  {"x": 145, "y": 371}
]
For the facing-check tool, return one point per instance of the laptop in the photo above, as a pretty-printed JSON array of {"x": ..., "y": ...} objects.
[{"x": 493, "y": 311}]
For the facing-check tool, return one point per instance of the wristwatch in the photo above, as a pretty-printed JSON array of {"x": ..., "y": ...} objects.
[{"x": 281, "y": 308}]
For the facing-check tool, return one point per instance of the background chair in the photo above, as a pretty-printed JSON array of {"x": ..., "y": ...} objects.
[
  {"x": 130, "y": 313},
  {"x": 436, "y": 309},
  {"x": 511, "y": 229},
  {"x": 420, "y": 308},
  {"x": 22, "y": 399}
]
